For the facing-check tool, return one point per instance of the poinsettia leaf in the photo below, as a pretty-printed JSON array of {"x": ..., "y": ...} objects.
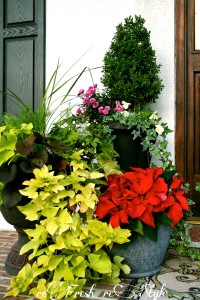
[
  {"x": 162, "y": 219},
  {"x": 150, "y": 232},
  {"x": 167, "y": 175},
  {"x": 137, "y": 226}
]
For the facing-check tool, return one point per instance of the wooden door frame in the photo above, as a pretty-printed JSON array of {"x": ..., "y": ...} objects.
[{"x": 181, "y": 85}]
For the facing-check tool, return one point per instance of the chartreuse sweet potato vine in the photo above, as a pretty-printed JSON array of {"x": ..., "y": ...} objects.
[
  {"x": 66, "y": 247},
  {"x": 8, "y": 140}
]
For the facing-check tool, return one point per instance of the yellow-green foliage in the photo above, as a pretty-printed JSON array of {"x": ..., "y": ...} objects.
[
  {"x": 67, "y": 244},
  {"x": 8, "y": 139}
]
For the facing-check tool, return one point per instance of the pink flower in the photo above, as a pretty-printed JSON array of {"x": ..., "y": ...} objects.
[
  {"x": 86, "y": 100},
  {"x": 80, "y": 92},
  {"x": 100, "y": 109},
  {"x": 104, "y": 110},
  {"x": 78, "y": 111},
  {"x": 91, "y": 90},
  {"x": 118, "y": 107},
  {"x": 94, "y": 103}
]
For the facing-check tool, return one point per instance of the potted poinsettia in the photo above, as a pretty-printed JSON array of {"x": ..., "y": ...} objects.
[
  {"x": 61, "y": 175},
  {"x": 149, "y": 202}
]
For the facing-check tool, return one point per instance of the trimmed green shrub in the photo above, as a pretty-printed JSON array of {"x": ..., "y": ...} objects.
[{"x": 130, "y": 71}]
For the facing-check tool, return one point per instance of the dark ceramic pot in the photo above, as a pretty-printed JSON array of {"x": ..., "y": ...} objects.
[
  {"x": 14, "y": 261},
  {"x": 130, "y": 151}
]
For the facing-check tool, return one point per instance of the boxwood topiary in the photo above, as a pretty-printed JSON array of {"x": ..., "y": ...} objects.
[{"x": 130, "y": 72}]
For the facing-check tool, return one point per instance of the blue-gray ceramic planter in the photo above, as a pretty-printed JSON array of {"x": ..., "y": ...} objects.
[{"x": 143, "y": 255}]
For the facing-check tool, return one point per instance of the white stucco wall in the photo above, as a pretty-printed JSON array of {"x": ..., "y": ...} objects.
[{"x": 76, "y": 26}]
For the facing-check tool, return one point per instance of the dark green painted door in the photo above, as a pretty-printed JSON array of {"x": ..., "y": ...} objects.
[{"x": 22, "y": 52}]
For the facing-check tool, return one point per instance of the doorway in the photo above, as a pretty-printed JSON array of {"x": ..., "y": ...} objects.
[{"x": 187, "y": 146}]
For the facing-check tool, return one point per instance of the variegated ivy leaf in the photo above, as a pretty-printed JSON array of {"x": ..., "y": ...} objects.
[
  {"x": 38, "y": 233},
  {"x": 103, "y": 234},
  {"x": 72, "y": 242},
  {"x": 88, "y": 203}
]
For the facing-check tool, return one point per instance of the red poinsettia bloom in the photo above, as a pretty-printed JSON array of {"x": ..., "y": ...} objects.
[
  {"x": 175, "y": 212},
  {"x": 139, "y": 194}
]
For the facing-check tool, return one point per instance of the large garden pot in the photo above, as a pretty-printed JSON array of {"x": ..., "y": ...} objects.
[
  {"x": 14, "y": 261},
  {"x": 143, "y": 255},
  {"x": 130, "y": 150}
]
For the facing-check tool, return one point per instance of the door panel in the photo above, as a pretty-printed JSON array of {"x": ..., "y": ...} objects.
[
  {"x": 22, "y": 52},
  {"x": 18, "y": 11},
  {"x": 19, "y": 64},
  {"x": 187, "y": 98}
]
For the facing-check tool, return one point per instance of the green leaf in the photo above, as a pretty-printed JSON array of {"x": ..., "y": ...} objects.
[
  {"x": 54, "y": 262},
  {"x": 125, "y": 268},
  {"x": 59, "y": 244},
  {"x": 43, "y": 260},
  {"x": 95, "y": 175},
  {"x": 50, "y": 212},
  {"x": 79, "y": 266},
  {"x": 150, "y": 232},
  {"x": 100, "y": 263},
  {"x": 51, "y": 225}
]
